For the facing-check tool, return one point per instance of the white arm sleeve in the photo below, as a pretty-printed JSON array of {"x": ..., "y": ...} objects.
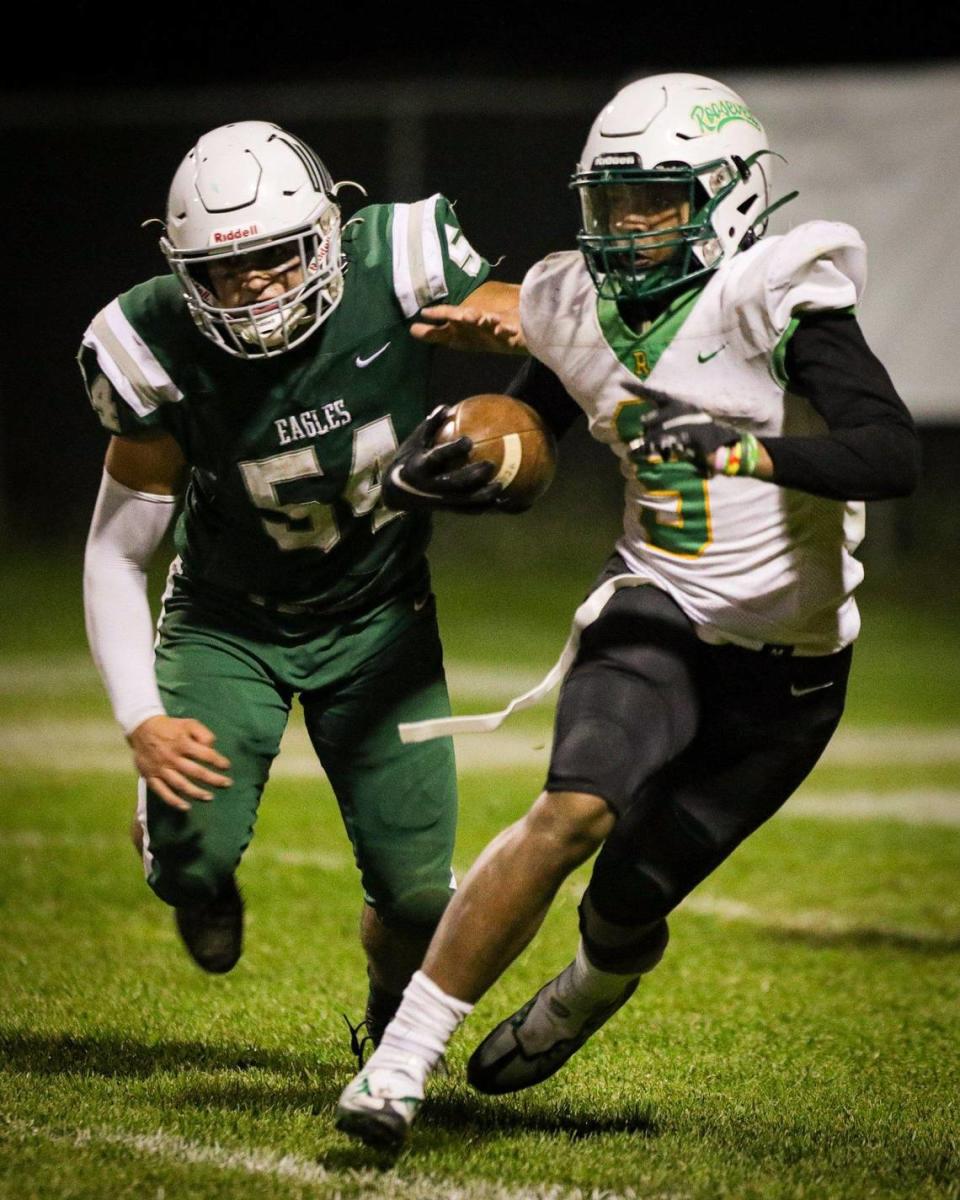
[{"x": 126, "y": 529}]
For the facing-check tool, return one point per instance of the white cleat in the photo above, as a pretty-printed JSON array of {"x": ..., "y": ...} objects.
[
  {"x": 378, "y": 1107},
  {"x": 537, "y": 1040}
]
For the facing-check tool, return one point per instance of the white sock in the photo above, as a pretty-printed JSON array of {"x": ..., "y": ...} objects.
[
  {"x": 416, "y": 1038},
  {"x": 583, "y": 986}
]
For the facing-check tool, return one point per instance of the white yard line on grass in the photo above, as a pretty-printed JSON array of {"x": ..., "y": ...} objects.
[
  {"x": 42, "y": 840},
  {"x": 30, "y": 675},
  {"x": 919, "y": 806},
  {"x": 90, "y": 745},
  {"x": 812, "y": 921},
  {"x": 361, "y": 1184},
  {"x": 96, "y": 744},
  {"x": 26, "y": 675}
]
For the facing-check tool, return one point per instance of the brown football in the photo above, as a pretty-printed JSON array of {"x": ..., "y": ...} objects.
[{"x": 512, "y": 436}]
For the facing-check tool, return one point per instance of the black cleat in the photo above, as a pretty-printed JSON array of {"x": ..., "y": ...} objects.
[
  {"x": 367, "y": 1034},
  {"x": 537, "y": 1040},
  {"x": 213, "y": 931}
]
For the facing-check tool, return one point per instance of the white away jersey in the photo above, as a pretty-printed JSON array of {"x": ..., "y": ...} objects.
[{"x": 747, "y": 561}]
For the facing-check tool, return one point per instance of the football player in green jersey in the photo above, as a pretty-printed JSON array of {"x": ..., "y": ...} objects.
[{"x": 267, "y": 380}]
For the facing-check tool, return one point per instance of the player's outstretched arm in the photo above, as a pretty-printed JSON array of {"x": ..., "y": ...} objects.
[
  {"x": 488, "y": 320},
  {"x": 141, "y": 481}
]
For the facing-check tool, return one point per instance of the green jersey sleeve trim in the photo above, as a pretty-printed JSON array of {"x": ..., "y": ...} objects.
[
  {"x": 128, "y": 363},
  {"x": 778, "y": 360}
]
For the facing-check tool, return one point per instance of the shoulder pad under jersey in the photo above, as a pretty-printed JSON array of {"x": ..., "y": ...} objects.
[{"x": 816, "y": 267}]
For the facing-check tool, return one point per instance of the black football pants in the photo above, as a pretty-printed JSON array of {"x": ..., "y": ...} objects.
[{"x": 692, "y": 745}]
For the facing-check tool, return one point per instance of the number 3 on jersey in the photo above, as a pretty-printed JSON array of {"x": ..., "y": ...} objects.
[
  {"x": 675, "y": 507},
  {"x": 313, "y": 524}
]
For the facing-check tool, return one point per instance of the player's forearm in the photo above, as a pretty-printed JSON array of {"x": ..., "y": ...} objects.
[
  {"x": 126, "y": 529},
  {"x": 870, "y": 450},
  {"x": 872, "y": 463}
]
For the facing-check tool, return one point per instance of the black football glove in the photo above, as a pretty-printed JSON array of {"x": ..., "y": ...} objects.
[
  {"x": 674, "y": 431},
  {"x": 422, "y": 475}
]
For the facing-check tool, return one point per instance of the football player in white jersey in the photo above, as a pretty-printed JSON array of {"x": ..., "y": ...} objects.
[{"x": 728, "y": 374}]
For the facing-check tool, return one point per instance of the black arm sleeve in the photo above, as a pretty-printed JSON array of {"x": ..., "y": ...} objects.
[
  {"x": 872, "y": 451},
  {"x": 537, "y": 386}
]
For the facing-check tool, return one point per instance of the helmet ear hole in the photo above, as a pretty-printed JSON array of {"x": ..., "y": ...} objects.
[{"x": 742, "y": 169}]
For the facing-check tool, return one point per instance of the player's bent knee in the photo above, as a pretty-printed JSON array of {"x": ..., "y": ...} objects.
[
  {"x": 571, "y": 825},
  {"x": 197, "y": 883},
  {"x": 634, "y": 893},
  {"x": 417, "y": 910},
  {"x": 597, "y": 755}
]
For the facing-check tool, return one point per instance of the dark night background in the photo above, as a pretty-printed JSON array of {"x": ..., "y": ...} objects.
[{"x": 98, "y": 105}]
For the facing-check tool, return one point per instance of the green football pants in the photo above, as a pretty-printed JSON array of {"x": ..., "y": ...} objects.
[{"x": 357, "y": 678}]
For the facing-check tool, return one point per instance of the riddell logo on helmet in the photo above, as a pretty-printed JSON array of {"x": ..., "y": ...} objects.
[
  {"x": 221, "y": 236},
  {"x": 626, "y": 158}
]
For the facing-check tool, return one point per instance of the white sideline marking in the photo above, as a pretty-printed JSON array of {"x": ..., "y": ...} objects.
[
  {"x": 30, "y": 675},
  {"x": 814, "y": 921},
  {"x": 922, "y": 806},
  {"x": 891, "y": 745},
  {"x": 39, "y": 839},
  {"x": 34, "y": 675},
  {"x": 91, "y": 745},
  {"x": 96, "y": 744},
  {"x": 362, "y": 1184}
]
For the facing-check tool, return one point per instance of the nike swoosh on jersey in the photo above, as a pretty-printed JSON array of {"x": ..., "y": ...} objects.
[
  {"x": 702, "y": 358},
  {"x": 817, "y": 687},
  {"x": 365, "y": 362}
]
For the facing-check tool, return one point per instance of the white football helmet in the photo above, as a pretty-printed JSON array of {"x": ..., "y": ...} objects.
[
  {"x": 682, "y": 146},
  {"x": 251, "y": 196}
]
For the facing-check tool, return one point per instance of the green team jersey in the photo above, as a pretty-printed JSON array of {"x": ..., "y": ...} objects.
[{"x": 283, "y": 500}]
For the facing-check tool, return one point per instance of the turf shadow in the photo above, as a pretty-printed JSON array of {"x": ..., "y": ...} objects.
[
  {"x": 450, "y": 1121},
  {"x": 499, "y": 1115},
  {"x": 123, "y": 1057},
  {"x": 868, "y": 938}
]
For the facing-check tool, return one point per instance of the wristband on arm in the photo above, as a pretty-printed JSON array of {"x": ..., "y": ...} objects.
[{"x": 739, "y": 459}]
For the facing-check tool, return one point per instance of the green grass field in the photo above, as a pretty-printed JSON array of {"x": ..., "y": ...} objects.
[{"x": 801, "y": 1038}]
